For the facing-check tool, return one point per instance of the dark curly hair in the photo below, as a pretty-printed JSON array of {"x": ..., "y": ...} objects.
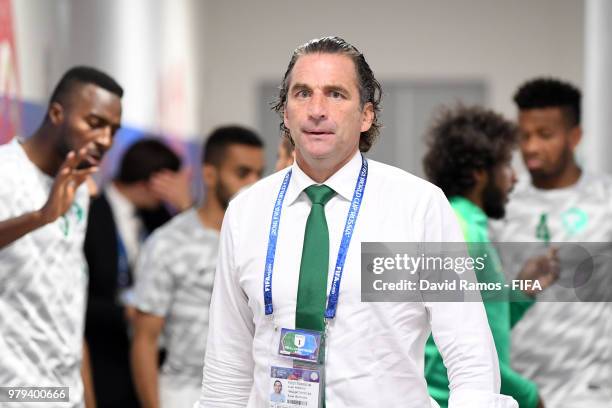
[
  {"x": 462, "y": 140},
  {"x": 369, "y": 88},
  {"x": 550, "y": 93}
]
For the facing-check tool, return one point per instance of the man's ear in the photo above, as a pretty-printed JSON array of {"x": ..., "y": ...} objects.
[
  {"x": 367, "y": 117},
  {"x": 210, "y": 175},
  {"x": 56, "y": 113},
  {"x": 481, "y": 178},
  {"x": 575, "y": 136}
]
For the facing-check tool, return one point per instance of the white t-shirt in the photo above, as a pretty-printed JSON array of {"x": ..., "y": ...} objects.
[
  {"x": 565, "y": 347},
  {"x": 174, "y": 280},
  {"x": 43, "y": 281}
]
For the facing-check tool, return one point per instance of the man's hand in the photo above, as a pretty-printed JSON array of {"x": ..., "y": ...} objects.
[
  {"x": 173, "y": 187},
  {"x": 544, "y": 268},
  {"x": 67, "y": 181}
]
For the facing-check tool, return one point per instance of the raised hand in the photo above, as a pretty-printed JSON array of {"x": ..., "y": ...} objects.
[
  {"x": 544, "y": 268},
  {"x": 67, "y": 181},
  {"x": 173, "y": 187}
]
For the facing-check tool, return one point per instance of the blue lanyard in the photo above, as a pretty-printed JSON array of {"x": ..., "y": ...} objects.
[{"x": 349, "y": 227}]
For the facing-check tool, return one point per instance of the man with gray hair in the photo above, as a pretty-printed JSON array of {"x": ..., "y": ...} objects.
[{"x": 344, "y": 352}]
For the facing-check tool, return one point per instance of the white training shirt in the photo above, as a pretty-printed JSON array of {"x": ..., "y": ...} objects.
[
  {"x": 174, "y": 280},
  {"x": 565, "y": 347},
  {"x": 43, "y": 280}
]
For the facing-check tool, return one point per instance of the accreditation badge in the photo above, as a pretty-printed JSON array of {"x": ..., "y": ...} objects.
[{"x": 296, "y": 373}]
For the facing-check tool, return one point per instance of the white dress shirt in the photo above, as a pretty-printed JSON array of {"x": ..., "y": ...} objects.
[
  {"x": 375, "y": 351},
  {"x": 129, "y": 224}
]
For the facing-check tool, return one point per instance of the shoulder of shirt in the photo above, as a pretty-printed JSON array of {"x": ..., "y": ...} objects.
[
  {"x": 13, "y": 173},
  {"x": 9, "y": 155},
  {"x": 603, "y": 179},
  {"x": 377, "y": 172},
  {"x": 389, "y": 178},
  {"x": 524, "y": 189},
  {"x": 266, "y": 187},
  {"x": 181, "y": 229}
]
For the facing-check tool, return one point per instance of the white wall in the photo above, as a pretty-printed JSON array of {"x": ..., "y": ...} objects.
[
  {"x": 41, "y": 37},
  {"x": 235, "y": 44},
  {"x": 503, "y": 41},
  {"x": 597, "y": 121},
  {"x": 149, "y": 46}
]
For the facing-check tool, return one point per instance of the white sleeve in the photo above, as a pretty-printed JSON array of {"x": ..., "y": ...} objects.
[
  {"x": 228, "y": 365},
  {"x": 461, "y": 330}
]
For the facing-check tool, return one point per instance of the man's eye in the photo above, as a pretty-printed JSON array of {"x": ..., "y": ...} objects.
[
  {"x": 302, "y": 94},
  {"x": 546, "y": 135},
  {"x": 336, "y": 95}
]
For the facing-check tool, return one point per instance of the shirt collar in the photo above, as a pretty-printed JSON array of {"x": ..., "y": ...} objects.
[
  {"x": 120, "y": 205},
  {"x": 342, "y": 182}
]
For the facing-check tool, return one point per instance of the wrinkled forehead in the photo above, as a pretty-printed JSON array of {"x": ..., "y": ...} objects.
[{"x": 324, "y": 69}]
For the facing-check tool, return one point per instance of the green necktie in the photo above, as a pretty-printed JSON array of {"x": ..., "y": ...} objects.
[{"x": 312, "y": 287}]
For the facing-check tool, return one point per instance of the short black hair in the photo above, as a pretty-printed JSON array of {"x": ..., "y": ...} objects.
[
  {"x": 223, "y": 137},
  {"x": 542, "y": 93},
  {"x": 81, "y": 75},
  {"x": 463, "y": 140},
  {"x": 145, "y": 158}
]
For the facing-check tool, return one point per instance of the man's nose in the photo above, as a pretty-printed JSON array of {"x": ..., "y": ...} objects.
[
  {"x": 106, "y": 137},
  {"x": 530, "y": 144},
  {"x": 317, "y": 108}
]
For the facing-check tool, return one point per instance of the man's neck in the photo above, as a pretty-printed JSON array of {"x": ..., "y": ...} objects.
[
  {"x": 475, "y": 197},
  {"x": 211, "y": 213},
  {"x": 568, "y": 177},
  {"x": 321, "y": 170},
  {"x": 40, "y": 149},
  {"x": 127, "y": 192}
]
